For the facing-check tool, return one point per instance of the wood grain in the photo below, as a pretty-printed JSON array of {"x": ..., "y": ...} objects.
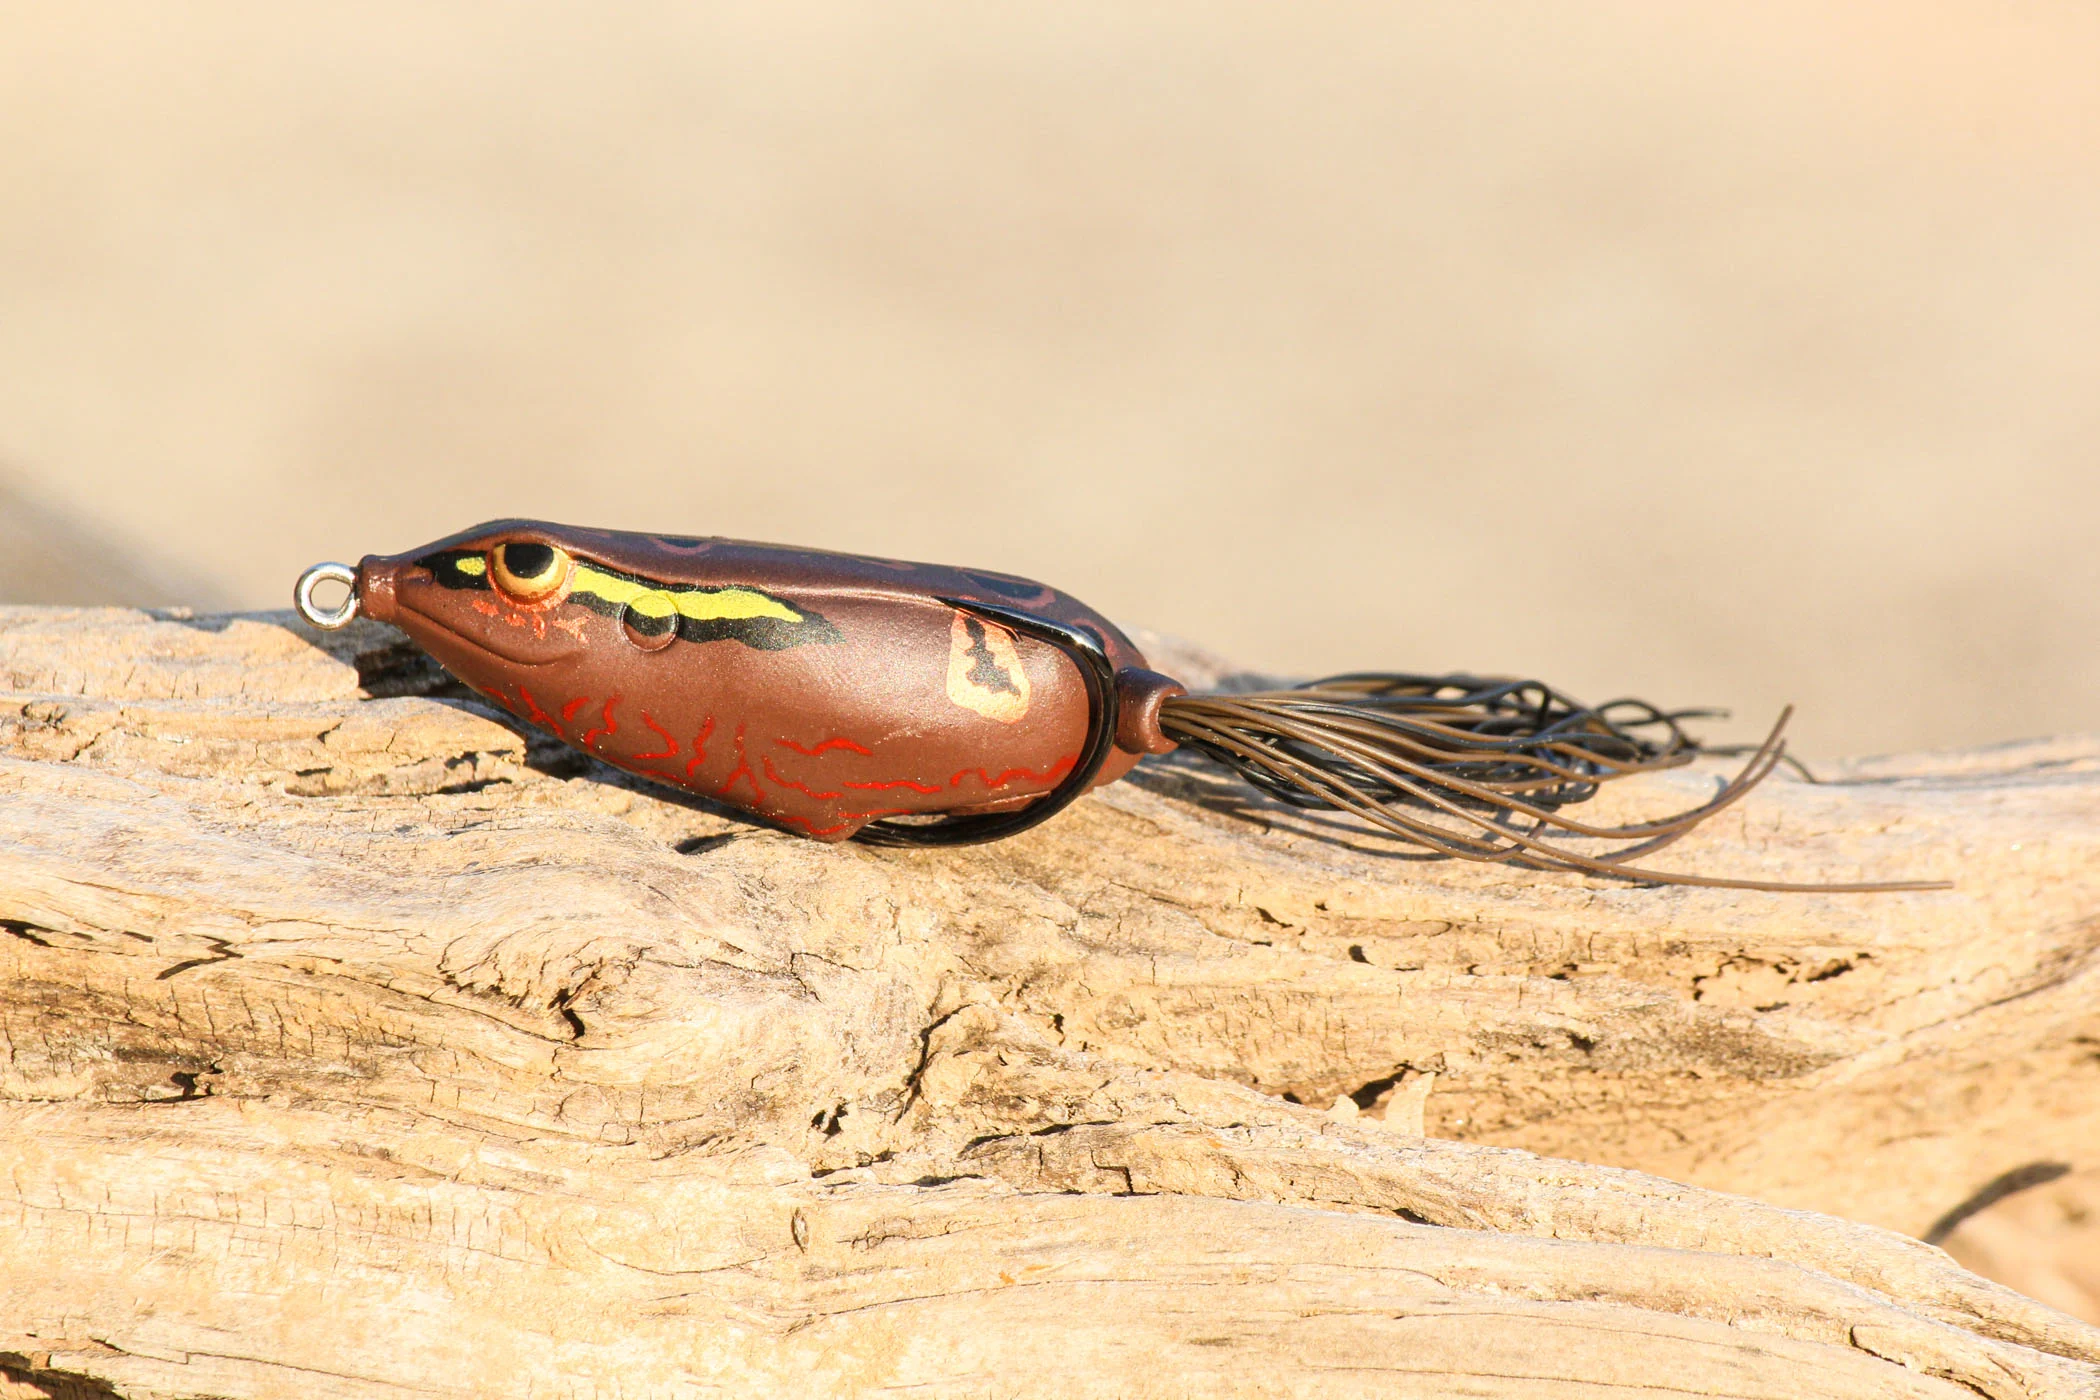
[{"x": 358, "y": 1046}]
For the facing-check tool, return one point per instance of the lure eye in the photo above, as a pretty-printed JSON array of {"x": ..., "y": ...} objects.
[{"x": 527, "y": 571}]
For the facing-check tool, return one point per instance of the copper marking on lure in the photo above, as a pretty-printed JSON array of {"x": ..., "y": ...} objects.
[
  {"x": 700, "y": 747},
  {"x": 804, "y": 788},
  {"x": 742, "y": 770},
  {"x": 851, "y": 819},
  {"x": 913, "y": 784},
  {"x": 984, "y": 774},
  {"x": 606, "y": 724},
  {"x": 838, "y": 741},
  {"x": 670, "y": 744},
  {"x": 536, "y": 714}
]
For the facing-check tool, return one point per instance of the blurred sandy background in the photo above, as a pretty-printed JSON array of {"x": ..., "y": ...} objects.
[
  {"x": 1724, "y": 353},
  {"x": 1728, "y": 352}
]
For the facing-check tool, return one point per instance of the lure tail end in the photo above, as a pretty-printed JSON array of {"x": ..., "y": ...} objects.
[{"x": 1477, "y": 768}]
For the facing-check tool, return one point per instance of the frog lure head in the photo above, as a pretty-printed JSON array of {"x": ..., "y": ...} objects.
[{"x": 842, "y": 696}]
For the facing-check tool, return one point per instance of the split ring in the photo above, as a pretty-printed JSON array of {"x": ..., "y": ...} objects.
[{"x": 327, "y": 619}]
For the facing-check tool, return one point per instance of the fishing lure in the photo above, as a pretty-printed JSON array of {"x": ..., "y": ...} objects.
[{"x": 842, "y": 696}]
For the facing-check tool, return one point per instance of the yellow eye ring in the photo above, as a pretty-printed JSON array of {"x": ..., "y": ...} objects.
[{"x": 528, "y": 570}]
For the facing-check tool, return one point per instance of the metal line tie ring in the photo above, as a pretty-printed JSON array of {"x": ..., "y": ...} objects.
[{"x": 328, "y": 619}]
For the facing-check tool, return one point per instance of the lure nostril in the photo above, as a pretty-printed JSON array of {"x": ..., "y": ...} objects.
[{"x": 650, "y": 620}]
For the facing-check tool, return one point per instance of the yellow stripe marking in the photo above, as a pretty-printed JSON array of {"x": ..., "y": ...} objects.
[{"x": 701, "y": 605}]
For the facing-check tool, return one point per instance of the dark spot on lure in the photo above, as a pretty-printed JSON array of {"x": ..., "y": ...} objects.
[
  {"x": 918, "y": 704},
  {"x": 985, "y": 669},
  {"x": 1019, "y": 590},
  {"x": 528, "y": 560}
]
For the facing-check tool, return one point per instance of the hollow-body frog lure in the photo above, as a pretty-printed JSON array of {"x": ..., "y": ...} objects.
[{"x": 841, "y": 696}]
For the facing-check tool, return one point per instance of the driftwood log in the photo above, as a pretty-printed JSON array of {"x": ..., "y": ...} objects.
[{"x": 356, "y": 1046}]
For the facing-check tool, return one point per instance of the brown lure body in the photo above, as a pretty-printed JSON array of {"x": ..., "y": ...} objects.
[
  {"x": 815, "y": 690},
  {"x": 918, "y": 704}
]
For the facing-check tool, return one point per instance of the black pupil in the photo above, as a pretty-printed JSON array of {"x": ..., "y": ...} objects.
[{"x": 528, "y": 561}]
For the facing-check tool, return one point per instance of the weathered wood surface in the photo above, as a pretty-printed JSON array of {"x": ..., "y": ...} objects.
[{"x": 356, "y": 1048}]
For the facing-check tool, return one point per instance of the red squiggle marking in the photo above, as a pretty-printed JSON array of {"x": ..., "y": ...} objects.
[
  {"x": 850, "y": 819},
  {"x": 606, "y": 724},
  {"x": 534, "y": 713},
  {"x": 568, "y": 711},
  {"x": 984, "y": 775},
  {"x": 670, "y": 744},
  {"x": 742, "y": 770},
  {"x": 897, "y": 783},
  {"x": 802, "y": 788},
  {"x": 1055, "y": 770},
  {"x": 837, "y": 742},
  {"x": 699, "y": 747}
]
